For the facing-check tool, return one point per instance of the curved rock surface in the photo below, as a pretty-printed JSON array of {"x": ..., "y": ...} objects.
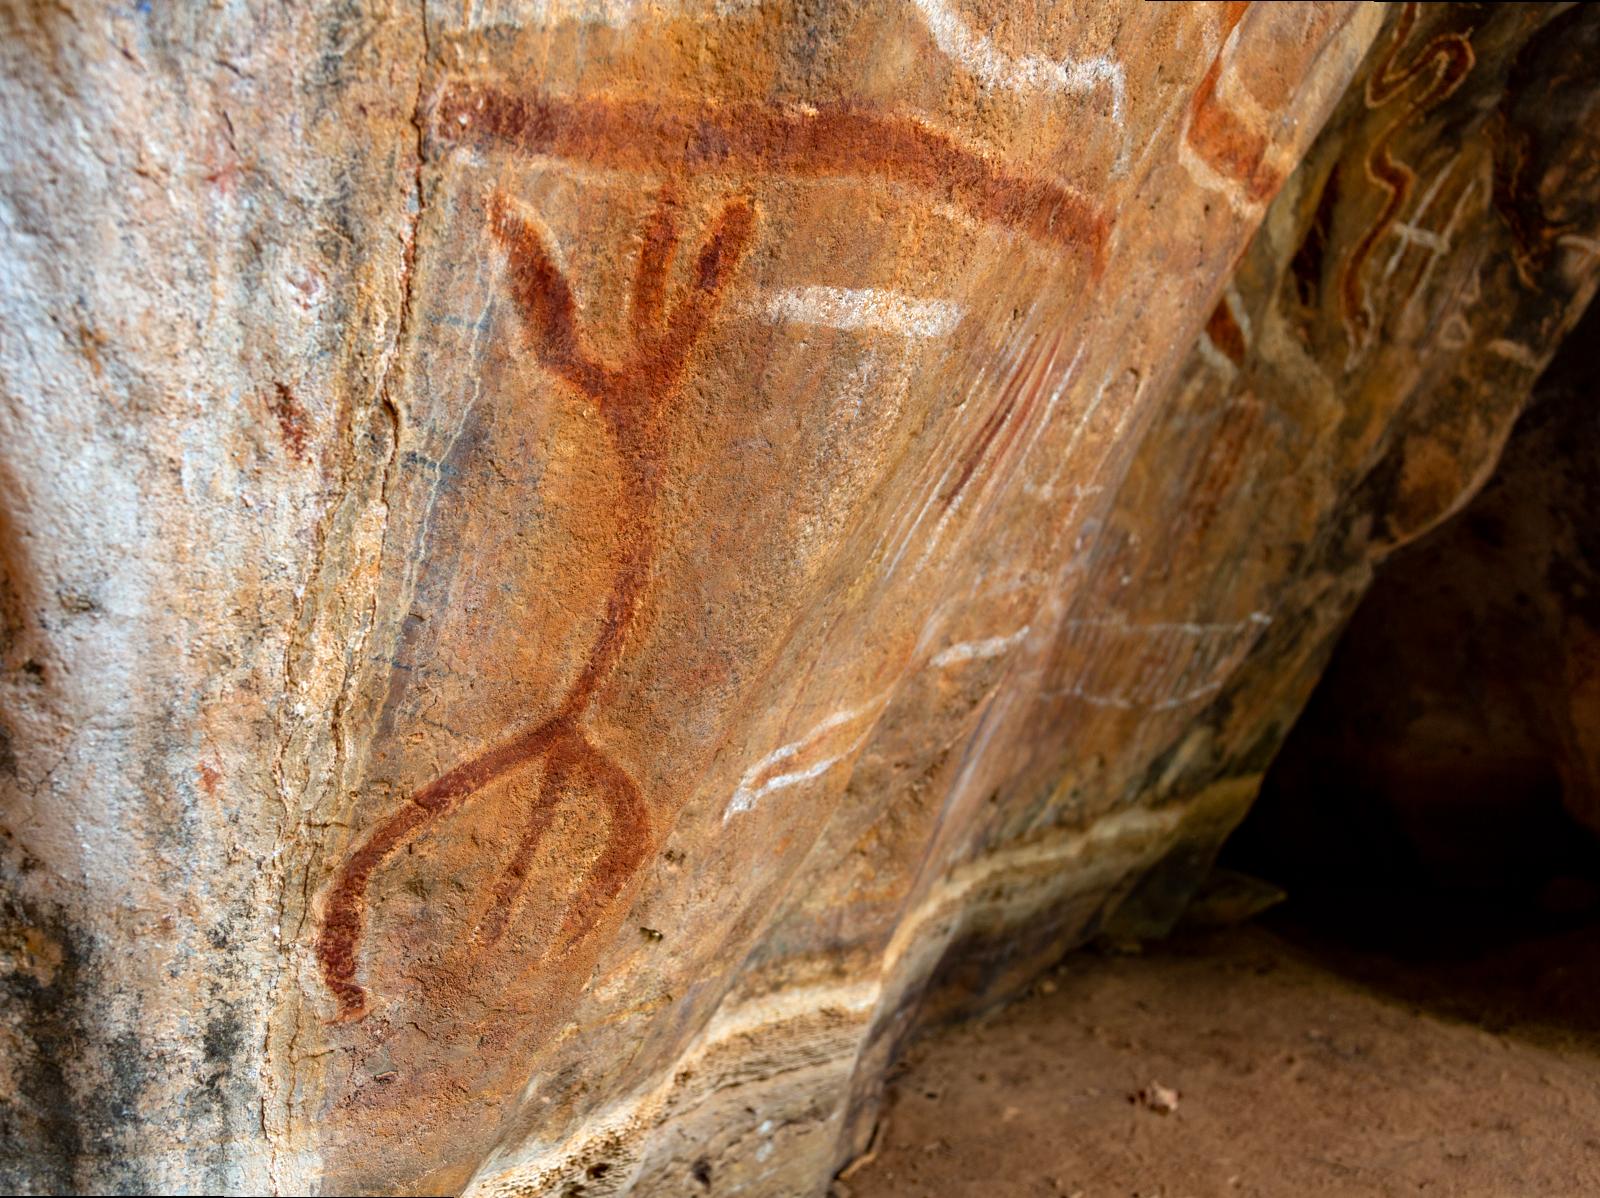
[{"x": 575, "y": 571}]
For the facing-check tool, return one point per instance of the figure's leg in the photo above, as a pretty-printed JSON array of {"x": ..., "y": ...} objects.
[
  {"x": 344, "y": 918},
  {"x": 572, "y": 759},
  {"x": 627, "y": 845},
  {"x": 559, "y": 761},
  {"x": 345, "y": 912}
]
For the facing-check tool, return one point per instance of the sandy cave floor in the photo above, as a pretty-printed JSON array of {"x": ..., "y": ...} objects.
[{"x": 1301, "y": 1067}]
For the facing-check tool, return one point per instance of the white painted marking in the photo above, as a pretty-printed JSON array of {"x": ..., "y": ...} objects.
[
  {"x": 745, "y": 799},
  {"x": 1049, "y": 411},
  {"x": 1587, "y": 244},
  {"x": 862, "y": 308},
  {"x": 1028, "y": 72},
  {"x": 1423, "y": 237},
  {"x": 1433, "y": 259},
  {"x": 992, "y": 646},
  {"x": 1241, "y": 315},
  {"x": 927, "y": 503},
  {"x": 1153, "y": 139},
  {"x": 1413, "y": 232},
  {"x": 747, "y": 794},
  {"x": 1258, "y": 619},
  {"x": 1166, "y": 679},
  {"x": 984, "y": 475},
  {"x": 1514, "y": 351},
  {"x": 1124, "y": 703},
  {"x": 1067, "y": 455}
]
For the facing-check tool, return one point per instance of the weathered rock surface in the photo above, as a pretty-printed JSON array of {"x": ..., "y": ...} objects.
[
  {"x": 1352, "y": 391},
  {"x": 1455, "y": 738},
  {"x": 573, "y": 571}
]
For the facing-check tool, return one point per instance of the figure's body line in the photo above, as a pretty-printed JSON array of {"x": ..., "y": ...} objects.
[
  {"x": 629, "y": 399},
  {"x": 344, "y": 923},
  {"x": 621, "y": 610},
  {"x": 806, "y": 142},
  {"x": 567, "y": 754}
]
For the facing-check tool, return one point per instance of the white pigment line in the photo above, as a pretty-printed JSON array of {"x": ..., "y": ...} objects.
[
  {"x": 1040, "y": 370},
  {"x": 1077, "y": 433},
  {"x": 1128, "y": 702},
  {"x": 992, "y": 646},
  {"x": 1186, "y": 627},
  {"x": 1027, "y": 72},
  {"x": 1414, "y": 226},
  {"x": 745, "y": 798},
  {"x": 784, "y": 781},
  {"x": 1049, "y": 411},
  {"x": 1214, "y": 357},
  {"x": 1423, "y": 237},
  {"x": 1433, "y": 259},
  {"x": 1236, "y": 308},
  {"x": 789, "y": 750},
  {"x": 905, "y": 541},
  {"x": 1515, "y": 352},
  {"x": 862, "y": 308}
]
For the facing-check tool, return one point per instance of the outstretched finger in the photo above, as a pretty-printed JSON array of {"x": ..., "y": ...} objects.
[
  {"x": 541, "y": 291},
  {"x": 725, "y": 245},
  {"x": 655, "y": 259}
]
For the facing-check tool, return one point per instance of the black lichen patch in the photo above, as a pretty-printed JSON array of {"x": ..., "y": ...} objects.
[{"x": 74, "y": 1087}]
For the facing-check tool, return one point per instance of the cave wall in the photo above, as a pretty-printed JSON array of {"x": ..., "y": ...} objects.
[
  {"x": 573, "y": 572},
  {"x": 1353, "y": 389},
  {"x": 1453, "y": 743}
]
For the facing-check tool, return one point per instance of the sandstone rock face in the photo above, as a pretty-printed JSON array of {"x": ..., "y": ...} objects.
[{"x": 571, "y": 572}]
